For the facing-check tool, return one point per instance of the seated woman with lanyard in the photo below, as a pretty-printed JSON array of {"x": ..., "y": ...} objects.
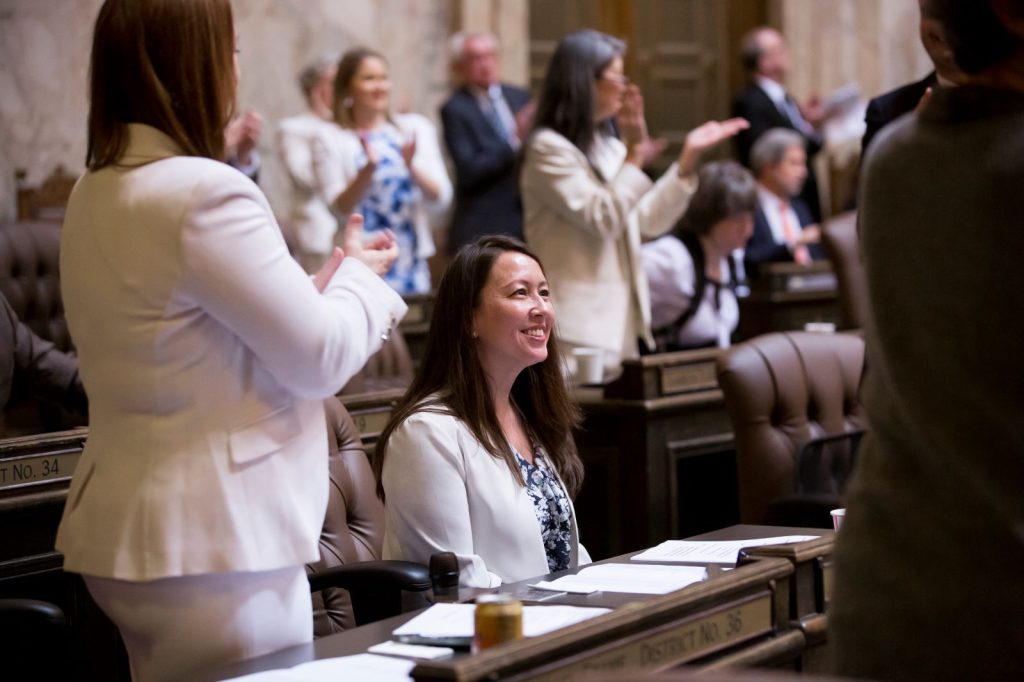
[
  {"x": 692, "y": 272},
  {"x": 478, "y": 458}
]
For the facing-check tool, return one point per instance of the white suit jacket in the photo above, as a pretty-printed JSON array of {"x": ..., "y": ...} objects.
[
  {"x": 445, "y": 493},
  {"x": 335, "y": 154},
  {"x": 206, "y": 352},
  {"x": 586, "y": 229},
  {"x": 312, "y": 220}
]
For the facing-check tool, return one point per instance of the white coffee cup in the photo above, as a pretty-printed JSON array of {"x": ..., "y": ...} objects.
[
  {"x": 589, "y": 365},
  {"x": 837, "y": 518}
]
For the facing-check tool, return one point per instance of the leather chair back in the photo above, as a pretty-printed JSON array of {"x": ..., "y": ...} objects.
[
  {"x": 30, "y": 278},
  {"x": 354, "y": 524},
  {"x": 783, "y": 390},
  {"x": 839, "y": 237}
]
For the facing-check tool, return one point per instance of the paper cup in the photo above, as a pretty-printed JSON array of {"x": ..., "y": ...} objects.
[
  {"x": 589, "y": 365},
  {"x": 837, "y": 518}
]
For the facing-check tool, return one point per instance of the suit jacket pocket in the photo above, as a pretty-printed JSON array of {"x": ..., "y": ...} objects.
[{"x": 264, "y": 436}]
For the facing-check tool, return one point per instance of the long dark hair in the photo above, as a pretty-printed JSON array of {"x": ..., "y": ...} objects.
[
  {"x": 567, "y": 96},
  {"x": 451, "y": 380},
  {"x": 166, "y": 63}
]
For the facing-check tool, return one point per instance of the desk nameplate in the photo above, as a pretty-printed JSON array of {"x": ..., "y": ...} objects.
[
  {"x": 672, "y": 644},
  {"x": 692, "y": 377},
  {"x": 369, "y": 423},
  {"x": 18, "y": 472}
]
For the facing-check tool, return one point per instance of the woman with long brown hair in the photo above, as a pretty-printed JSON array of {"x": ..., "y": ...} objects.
[
  {"x": 478, "y": 458},
  {"x": 205, "y": 351}
]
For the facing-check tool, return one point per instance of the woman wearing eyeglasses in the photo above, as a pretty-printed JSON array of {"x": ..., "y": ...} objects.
[{"x": 588, "y": 204}]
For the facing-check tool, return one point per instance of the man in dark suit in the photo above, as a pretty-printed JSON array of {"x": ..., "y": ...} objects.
[
  {"x": 784, "y": 228},
  {"x": 483, "y": 125},
  {"x": 765, "y": 103},
  {"x": 887, "y": 107}
]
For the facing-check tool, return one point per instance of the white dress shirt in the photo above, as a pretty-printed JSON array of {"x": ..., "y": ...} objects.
[{"x": 774, "y": 213}]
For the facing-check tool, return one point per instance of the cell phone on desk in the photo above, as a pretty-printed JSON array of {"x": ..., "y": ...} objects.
[{"x": 457, "y": 643}]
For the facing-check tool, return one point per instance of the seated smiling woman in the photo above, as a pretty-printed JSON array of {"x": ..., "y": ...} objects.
[{"x": 478, "y": 458}]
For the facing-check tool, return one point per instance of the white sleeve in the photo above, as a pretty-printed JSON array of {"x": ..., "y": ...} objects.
[
  {"x": 558, "y": 176},
  {"x": 237, "y": 268},
  {"x": 333, "y": 170},
  {"x": 430, "y": 161},
  {"x": 662, "y": 207},
  {"x": 670, "y": 278},
  {"x": 296, "y": 153},
  {"x": 426, "y": 502}
]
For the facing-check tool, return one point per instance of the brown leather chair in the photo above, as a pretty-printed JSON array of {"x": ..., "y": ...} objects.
[
  {"x": 783, "y": 391},
  {"x": 839, "y": 237},
  {"x": 351, "y": 585},
  {"x": 30, "y": 278}
]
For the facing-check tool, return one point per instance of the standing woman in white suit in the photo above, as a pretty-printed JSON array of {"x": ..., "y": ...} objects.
[
  {"x": 588, "y": 204},
  {"x": 205, "y": 351}
]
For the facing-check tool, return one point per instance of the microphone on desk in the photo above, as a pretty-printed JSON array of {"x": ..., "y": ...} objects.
[{"x": 444, "y": 576}]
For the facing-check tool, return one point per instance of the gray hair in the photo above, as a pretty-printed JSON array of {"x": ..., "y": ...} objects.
[
  {"x": 311, "y": 75},
  {"x": 457, "y": 43},
  {"x": 771, "y": 147}
]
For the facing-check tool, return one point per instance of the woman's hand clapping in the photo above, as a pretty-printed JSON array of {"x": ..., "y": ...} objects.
[
  {"x": 378, "y": 253},
  {"x": 704, "y": 137}
]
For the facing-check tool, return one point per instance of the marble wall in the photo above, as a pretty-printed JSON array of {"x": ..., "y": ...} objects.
[
  {"x": 44, "y": 50},
  {"x": 44, "y": 55}
]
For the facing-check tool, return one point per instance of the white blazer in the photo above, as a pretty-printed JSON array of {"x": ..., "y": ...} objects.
[
  {"x": 312, "y": 220},
  {"x": 205, "y": 351},
  {"x": 586, "y": 229},
  {"x": 336, "y": 150},
  {"x": 446, "y": 493}
]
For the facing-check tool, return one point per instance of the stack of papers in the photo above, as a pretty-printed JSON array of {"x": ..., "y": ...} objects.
[
  {"x": 358, "y": 667},
  {"x": 456, "y": 620},
  {"x": 632, "y": 579},
  {"x": 710, "y": 552}
]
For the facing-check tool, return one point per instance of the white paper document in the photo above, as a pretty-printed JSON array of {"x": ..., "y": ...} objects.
[
  {"x": 630, "y": 578},
  {"x": 708, "y": 551},
  {"x": 456, "y": 620},
  {"x": 358, "y": 668}
]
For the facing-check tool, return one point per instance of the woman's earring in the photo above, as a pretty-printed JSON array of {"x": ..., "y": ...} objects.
[{"x": 346, "y": 102}]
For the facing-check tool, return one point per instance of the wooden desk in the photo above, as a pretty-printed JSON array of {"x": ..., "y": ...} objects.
[
  {"x": 659, "y": 455},
  {"x": 786, "y": 296},
  {"x": 739, "y": 615},
  {"x": 416, "y": 324}
]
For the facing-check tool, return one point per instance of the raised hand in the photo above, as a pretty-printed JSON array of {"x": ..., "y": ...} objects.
[
  {"x": 704, "y": 137},
  {"x": 372, "y": 158},
  {"x": 378, "y": 253},
  {"x": 632, "y": 126}
]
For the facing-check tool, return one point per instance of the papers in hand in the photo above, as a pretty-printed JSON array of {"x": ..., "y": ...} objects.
[
  {"x": 456, "y": 620},
  {"x": 632, "y": 579},
  {"x": 709, "y": 552}
]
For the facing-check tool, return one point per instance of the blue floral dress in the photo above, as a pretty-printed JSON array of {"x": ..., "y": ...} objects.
[
  {"x": 390, "y": 203},
  {"x": 552, "y": 507}
]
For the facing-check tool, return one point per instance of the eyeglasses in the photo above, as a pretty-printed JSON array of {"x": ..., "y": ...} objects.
[{"x": 618, "y": 78}]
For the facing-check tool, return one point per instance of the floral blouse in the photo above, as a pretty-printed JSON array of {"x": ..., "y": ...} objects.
[{"x": 552, "y": 507}]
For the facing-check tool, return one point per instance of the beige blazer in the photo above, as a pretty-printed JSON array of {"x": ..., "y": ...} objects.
[
  {"x": 312, "y": 220},
  {"x": 586, "y": 228},
  {"x": 205, "y": 351},
  {"x": 445, "y": 493}
]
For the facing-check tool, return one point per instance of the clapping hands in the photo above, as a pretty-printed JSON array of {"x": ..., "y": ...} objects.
[
  {"x": 704, "y": 137},
  {"x": 377, "y": 254}
]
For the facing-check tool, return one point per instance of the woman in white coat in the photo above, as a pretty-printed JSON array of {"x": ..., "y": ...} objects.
[
  {"x": 478, "y": 458},
  {"x": 205, "y": 351},
  {"x": 588, "y": 204},
  {"x": 386, "y": 167}
]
